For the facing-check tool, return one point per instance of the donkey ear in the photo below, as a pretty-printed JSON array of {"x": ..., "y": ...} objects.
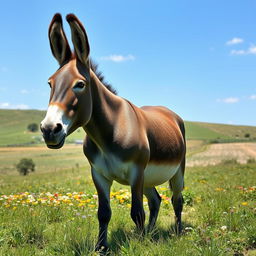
[
  {"x": 58, "y": 41},
  {"x": 79, "y": 38}
]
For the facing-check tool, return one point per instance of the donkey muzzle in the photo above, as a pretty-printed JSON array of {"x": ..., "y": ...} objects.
[{"x": 54, "y": 135}]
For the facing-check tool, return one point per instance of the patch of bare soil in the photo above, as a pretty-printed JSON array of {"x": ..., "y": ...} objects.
[
  {"x": 216, "y": 153},
  {"x": 36, "y": 148}
]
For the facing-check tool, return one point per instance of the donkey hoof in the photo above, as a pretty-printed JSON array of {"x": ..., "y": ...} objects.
[
  {"x": 178, "y": 229},
  {"x": 102, "y": 249}
]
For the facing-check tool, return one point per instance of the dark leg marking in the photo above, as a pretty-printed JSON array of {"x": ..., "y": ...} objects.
[
  {"x": 104, "y": 211},
  {"x": 137, "y": 211},
  {"x": 177, "y": 203},
  {"x": 154, "y": 201}
]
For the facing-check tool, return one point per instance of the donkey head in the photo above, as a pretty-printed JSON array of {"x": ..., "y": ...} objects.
[{"x": 70, "y": 104}]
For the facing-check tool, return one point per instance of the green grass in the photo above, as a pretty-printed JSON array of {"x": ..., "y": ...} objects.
[
  {"x": 219, "y": 216},
  {"x": 13, "y": 130}
]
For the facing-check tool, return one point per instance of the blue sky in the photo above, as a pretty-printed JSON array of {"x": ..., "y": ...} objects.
[{"x": 196, "y": 57}]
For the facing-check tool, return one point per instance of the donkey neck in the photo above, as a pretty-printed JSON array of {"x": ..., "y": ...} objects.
[{"x": 105, "y": 108}]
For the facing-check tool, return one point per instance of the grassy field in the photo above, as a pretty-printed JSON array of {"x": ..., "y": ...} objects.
[
  {"x": 54, "y": 213},
  {"x": 13, "y": 130},
  {"x": 46, "y": 160}
]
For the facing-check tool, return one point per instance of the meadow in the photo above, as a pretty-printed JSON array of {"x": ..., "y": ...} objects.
[{"x": 53, "y": 211}]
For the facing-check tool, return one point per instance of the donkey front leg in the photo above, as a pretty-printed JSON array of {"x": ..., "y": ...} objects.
[
  {"x": 104, "y": 211},
  {"x": 137, "y": 211}
]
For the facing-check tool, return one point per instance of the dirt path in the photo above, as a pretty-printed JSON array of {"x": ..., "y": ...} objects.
[
  {"x": 37, "y": 148},
  {"x": 216, "y": 153}
]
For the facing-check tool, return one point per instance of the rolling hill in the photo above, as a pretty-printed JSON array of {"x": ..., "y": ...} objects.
[
  {"x": 13, "y": 130},
  {"x": 219, "y": 132}
]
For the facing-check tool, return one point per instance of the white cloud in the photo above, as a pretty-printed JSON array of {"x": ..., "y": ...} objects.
[
  {"x": 229, "y": 100},
  {"x": 238, "y": 52},
  {"x": 4, "y": 105},
  {"x": 24, "y": 91},
  {"x": 235, "y": 40},
  {"x": 21, "y": 106},
  {"x": 7, "y": 105},
  {"x": 118, "y": 58},
  {"x": 251, "y": 50},
  {"x": 252, "y": 97}
]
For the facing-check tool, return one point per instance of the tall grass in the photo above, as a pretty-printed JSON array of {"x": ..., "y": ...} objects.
[{"x": 219, "y": 216}]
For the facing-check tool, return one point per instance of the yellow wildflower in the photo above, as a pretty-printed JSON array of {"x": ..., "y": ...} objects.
[{"x": 219, "y": 189}]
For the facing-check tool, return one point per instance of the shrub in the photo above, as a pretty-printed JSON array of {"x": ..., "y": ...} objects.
[
  {"x": 247, "y": 135},
  {"x": 33, "y": 127},
  {"x": 25, "y": 166},
  {"x": 251, "y": 161},
  {"x": 229, "y": 162},
  {"x": 214, "y": 141}
]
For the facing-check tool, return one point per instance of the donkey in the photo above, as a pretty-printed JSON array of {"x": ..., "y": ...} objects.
[{"x": 140, "y": 147}]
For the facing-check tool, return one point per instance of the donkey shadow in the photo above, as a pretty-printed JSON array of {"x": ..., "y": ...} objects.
[{"x": 120, "y": 238}]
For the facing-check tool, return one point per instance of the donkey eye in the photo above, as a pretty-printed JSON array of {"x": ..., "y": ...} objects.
[{"x": 79, "y": 85}]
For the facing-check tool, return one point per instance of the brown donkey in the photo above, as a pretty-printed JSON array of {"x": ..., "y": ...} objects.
[{"x": 140, "y": 147}]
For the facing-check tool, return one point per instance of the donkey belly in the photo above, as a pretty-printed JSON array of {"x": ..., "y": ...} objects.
[
  {"x": 158, "y": 174},
  {"x": 114, "y": 169}
]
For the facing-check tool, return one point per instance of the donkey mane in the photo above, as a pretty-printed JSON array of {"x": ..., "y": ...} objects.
[{"x": 98, "y": 73}]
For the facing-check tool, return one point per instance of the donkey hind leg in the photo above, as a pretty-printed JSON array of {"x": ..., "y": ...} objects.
[
  {"x": 154, "y": 201},
  {"x": 137, "y": 211},
  {"x": 177, "y": 185}
]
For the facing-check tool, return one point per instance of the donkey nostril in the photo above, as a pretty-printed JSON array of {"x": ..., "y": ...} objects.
[{"x": 58, "y": 128}]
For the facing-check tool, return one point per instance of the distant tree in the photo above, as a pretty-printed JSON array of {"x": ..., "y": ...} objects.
[
  {"x": 247, "y": 135},
  {"x": 25, "y": 166},
  {"x": 33, "y": 127}
]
